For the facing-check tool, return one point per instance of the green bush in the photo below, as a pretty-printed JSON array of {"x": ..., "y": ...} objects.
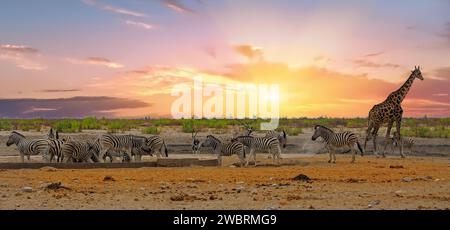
[
  {"x": 117, "y": 125},
  {"x": 68, "y": 126},
  {"x": 90, "y": 123},
  {"x": 151, "y": 130}
]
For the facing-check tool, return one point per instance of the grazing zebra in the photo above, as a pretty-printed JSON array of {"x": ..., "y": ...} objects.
[
  {"x": 96, "y": 149},
  {"x": 195, "y": 143},
  {"x": 406, "y": 142},
  {"x": 336, "y": 140},
  {"x": 155, "y": 144},
  {"x": 119, "y": 143},
  {"x": 225, "y": 149},
  {"x": 77, "y": 151},
  {"x": 260, "y": 143},
  {"x": 27, "y": 147}
]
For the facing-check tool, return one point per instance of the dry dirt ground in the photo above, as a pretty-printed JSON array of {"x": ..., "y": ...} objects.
[{"x": 371, "y": 183}]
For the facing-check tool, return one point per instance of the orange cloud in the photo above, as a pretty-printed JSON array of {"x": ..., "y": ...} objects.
[
  {"x": 24, "y": 57},
  {"x": 248, "y": 51}
]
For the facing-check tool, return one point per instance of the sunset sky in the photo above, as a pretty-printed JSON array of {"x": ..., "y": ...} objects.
[{"x": 121, "y": 58}]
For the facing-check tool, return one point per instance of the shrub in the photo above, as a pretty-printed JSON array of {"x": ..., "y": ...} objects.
[{"x": 151, "y": 130}]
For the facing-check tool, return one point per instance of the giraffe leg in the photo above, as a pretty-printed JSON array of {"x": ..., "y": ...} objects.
[
  {"x": 399, "y": 137},
  {"x": 387, "y": 138},
  {"x": 368, "y": 134},
  {"x": 374, "y": 136}
]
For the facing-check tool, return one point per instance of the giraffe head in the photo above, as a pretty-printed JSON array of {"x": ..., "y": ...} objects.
[{"x": 416, "y": 73}]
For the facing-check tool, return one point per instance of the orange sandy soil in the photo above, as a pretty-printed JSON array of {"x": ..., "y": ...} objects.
[{"x": 371, "y": 183}]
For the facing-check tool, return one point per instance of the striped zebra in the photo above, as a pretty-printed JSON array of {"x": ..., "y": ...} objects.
[
  {"x": 27, "y": 147},
  {"x": 282, "y": 137},
  {"x": 336, "y": 140},
  {"x": 225, "y": 149},
  {"x": 260, "y": 144},
  {"x": 118, "y": 143},
  {"x": 77, "y": 151},
  {"x": 155, "y": 144},
  {"x": 55, "y": 149},
  {"x": 407, "y": 142},
  {"x": 96, "y": 148}
]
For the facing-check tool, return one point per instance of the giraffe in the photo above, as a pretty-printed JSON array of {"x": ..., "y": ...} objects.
[{"x": 390, "y": 111}]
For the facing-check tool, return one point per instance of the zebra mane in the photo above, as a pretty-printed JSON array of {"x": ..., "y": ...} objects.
[
  {"x": 15, "y": 132},
  {"x": 242, "y": 136},
  {"x": 321, "y": 126},
  {"x": 214, "y": 138}
]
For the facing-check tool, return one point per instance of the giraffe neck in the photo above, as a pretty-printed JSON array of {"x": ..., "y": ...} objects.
[{"x": 400, "y": 94}]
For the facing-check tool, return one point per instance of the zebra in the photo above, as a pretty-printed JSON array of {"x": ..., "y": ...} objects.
[
  {"x": 119, "y": 143},
  {"x": 260, "y": 143},
  {"x": 77, "y": 151},
  {"x": 96, "y": 148},
  {"x": 195, "y": 144},
  {"x": 336, "y": 140},
  {"x": 282, "y": 138},
  {"x": 406, "y": 142},
  {"x": 27, "y": 147},
  {"x": 155, "y": 144},
  {"x": 225, "y": 149}
]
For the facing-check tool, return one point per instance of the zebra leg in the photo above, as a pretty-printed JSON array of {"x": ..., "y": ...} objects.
[
  {"x": 249, "y": 156},
  {"x": 29, "y": 157},
  {"x": 353, "y": 153},
  {"x": 101, "y": 156},
  {"x": 254, "y": 157},
  {"x": 22, "y": 157},
  {"x": 334, "y": 156},
  {"x": 330, "y": 154}
]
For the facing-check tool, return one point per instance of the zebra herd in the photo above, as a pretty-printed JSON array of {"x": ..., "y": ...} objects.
[
  {"x": 245, "y": 146},
  {"x": 72, "y": 150}
]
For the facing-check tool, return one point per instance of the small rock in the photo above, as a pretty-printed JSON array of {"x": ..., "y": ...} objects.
[
  {"x": 399, "y": 193},
  {"x": 373, "y": 203},
  {"x": 311, "y": 207},
  {"x": 27, "y": 189},
  {"x": 407, "y": 179},
  {"x": 48, "y": 169},
  {"x": 240, "y": 188},
  {"x": 136, "y": 199},
  {"x": 4, "y": 196},
  {"x": 302, "y": 177},
  {"x": 192, "y": 186},
  {"x": 396, "y": 166},
  {"x": 254, "y": 191},
  {"x": 177, "y": 198},
  {"x": 213, "y": 197},
  {"x": 271, "y": 208},
  {"x": 108, "y": 178}
]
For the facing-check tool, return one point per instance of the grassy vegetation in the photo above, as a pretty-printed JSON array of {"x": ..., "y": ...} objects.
[{"x": 415, "y": 127}]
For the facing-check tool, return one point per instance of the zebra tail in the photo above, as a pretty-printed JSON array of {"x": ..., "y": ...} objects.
[
  {"x": 360, "y": 148},
  {"x": 165, "y": 149}
]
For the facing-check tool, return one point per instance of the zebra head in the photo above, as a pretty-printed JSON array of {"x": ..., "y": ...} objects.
[
  {"x": 320, "y": 131},
  {"x": 195, "y": 141},
  {"x": 50, "y": 134},
  {"x": 210, "y": 141},
  {"x": 14, "y": 138}
]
